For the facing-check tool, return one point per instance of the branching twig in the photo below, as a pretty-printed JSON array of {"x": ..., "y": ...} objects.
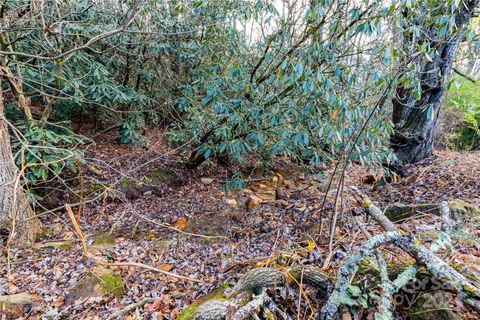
[
  {"x": 131, "y": 307},
  {"x": 425, "y": 257}
]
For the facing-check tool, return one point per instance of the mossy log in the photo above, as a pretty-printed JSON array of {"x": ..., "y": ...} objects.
[
  {"x": 460, "y": 210},
  {"x": 249, "y": 292}
]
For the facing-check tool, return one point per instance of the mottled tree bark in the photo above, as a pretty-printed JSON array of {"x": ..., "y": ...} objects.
[
  {"x": 16, "y": 215},
  {"x": 414, "y": 126}
]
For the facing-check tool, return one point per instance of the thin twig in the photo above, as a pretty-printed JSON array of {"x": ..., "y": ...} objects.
[
  {"x": 102, "y": 262},
  {"x": 130, "y": 308},
  {"x": 169, "y": 227}
]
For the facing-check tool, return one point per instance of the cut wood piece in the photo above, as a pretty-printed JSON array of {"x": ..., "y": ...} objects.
[{"x": 19, "y": 299}]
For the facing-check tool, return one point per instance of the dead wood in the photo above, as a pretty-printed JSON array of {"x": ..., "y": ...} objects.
[
  {"x": 19, "y": 299},
  {"x": 249, "y": 294},
  {"x": 460, "y": 210},
  {"x": 439, "y": 269}
]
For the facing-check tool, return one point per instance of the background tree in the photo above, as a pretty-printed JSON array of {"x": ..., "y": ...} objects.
[
  {"x": 233, "y": 80},
  {"x": 40, "y": 46},
  {"x": 17, "y": 219},
  {"x": 435, "y": 28}
]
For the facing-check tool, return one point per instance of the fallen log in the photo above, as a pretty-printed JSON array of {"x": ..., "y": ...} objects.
[
  {"x": 249, "y": 292},
  {"x": 460, "y": 210},
  {"x": 439, "y": 269}
]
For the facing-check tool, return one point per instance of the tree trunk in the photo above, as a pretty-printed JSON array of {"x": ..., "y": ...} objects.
[
  {"x": 415, "y": 120},
  {"x": 16, "y": 215}
]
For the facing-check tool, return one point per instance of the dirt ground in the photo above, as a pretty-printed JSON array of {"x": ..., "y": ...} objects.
[{"x": 158, "y": 214}]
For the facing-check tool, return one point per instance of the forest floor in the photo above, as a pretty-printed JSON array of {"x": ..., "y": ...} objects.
[{"x": 158, "y": 214}]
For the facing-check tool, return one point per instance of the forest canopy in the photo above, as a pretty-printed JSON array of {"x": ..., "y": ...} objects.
[{"x": 232, "y": 78}]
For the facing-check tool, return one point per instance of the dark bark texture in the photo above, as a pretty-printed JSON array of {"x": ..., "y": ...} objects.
[{"x": 414, "y": 126}]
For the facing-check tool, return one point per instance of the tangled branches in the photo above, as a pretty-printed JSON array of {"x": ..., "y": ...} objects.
[{"x": 249, "y": 294}]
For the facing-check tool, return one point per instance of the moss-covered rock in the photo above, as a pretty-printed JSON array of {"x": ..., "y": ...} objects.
[
  {"x": 99, "y": 282},
  {"x": 111, "y": 283},
  {"x": 462, "y": 211}
]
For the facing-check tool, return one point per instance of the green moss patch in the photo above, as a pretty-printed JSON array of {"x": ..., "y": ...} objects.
[
  {"x": 99, "y": 282},
  {"x": 126, "y": 184},
  {"x": 463, "y": 211},
  {"x": 157, "y": 176},
  {"x": 217, "y": 294},
  {"x": 104, "y": 239},
  {"x": 111, "y": 283}
]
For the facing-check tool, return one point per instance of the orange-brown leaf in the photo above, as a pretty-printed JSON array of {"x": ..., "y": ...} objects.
[
  {"x": 181, "y": 224},
  {"x": 155, "y": 306},
  {"x": 165, "y": 267},
  {"x": 335, "y": 113},
  {"x": 58, "y": 302}
]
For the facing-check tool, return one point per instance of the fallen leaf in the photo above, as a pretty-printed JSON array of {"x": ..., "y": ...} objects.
[
  {"x": 335, "y": 113},
  {"x": 155, "y": 306},
  {"x": 151, "y": 235},
  {"x": 181, "y": 224},
  {"x": 58, "y": 302},
  {"x": 253, "y": 201},
  {"x": 165, "y": 267},
  {"x": 310, "y": 246}
]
